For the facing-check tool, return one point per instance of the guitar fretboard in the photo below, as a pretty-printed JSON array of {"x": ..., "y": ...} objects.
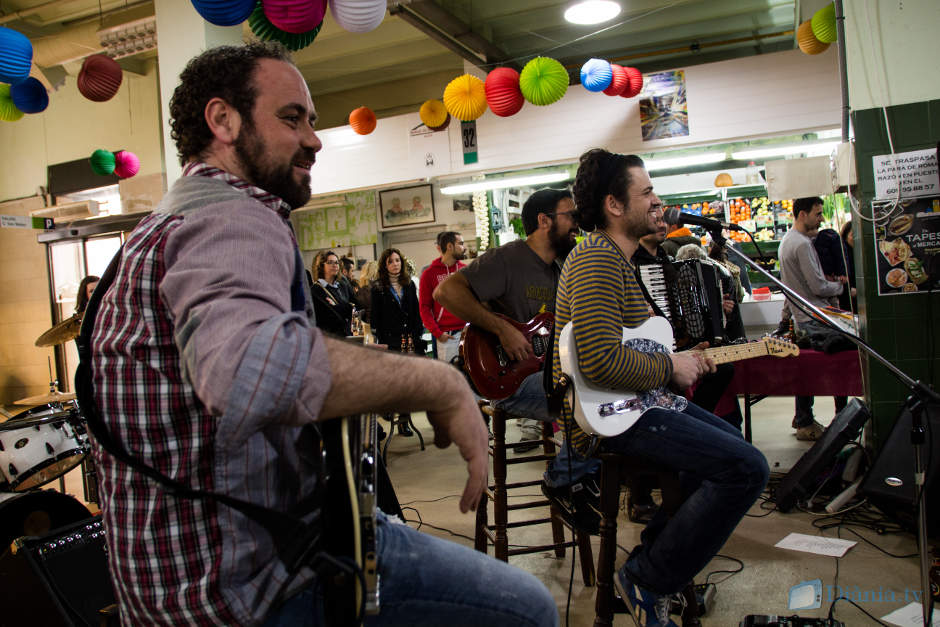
[{"x": 735, "y": 352}]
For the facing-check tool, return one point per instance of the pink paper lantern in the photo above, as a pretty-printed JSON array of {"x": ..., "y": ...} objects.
[
  {"x": 618, "y": 82},
  {"x": 126, "y": 164},
  {"x": 503, "y": 94},
  {"x": 294, "y": 16}
]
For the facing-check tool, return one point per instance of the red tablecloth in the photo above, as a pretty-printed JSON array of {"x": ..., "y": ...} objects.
[{"x": 809, "y": 373}]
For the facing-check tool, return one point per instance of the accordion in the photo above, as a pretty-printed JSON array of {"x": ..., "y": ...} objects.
[{"x": 689, "y": 294}]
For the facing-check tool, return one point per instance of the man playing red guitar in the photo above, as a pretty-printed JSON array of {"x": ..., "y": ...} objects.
[{"x": 519, "y": 280}]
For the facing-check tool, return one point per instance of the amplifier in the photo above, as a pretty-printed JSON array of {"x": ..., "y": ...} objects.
[{"x": 58, "y": 579}]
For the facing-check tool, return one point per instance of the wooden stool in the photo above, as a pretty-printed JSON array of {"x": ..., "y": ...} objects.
[
  {"x": 498, "y": 493},
  {"x": 615, "y": 471}
]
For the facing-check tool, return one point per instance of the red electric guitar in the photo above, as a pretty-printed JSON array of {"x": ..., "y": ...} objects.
[{"x": 493, "y": 374}]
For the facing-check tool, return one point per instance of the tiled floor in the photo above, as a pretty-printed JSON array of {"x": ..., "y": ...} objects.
[{"x": 428, "y": 484}]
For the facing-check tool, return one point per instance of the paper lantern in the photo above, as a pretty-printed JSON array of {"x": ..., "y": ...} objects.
[
  {"x": 618, "y": 81},
  {"x": 445, "y": 124},
  {"x": 102, "y": 162},
  {"x": 433, "y": 113},
  {"x": 807, "y": 40},
  {"x": 224, "y": 12},
  {"x": 634, "y": 82},
  {"x": 100, "y": 78},
  {"x": 824, "y": 24},
  {"x": 126, "y": 164},
  {"x": 358, "y": 16},
  {"x": 266, "y": 31},
  {"x": 596, "y": 74},
  {"x": 295, "y": 16},
  {"x": 724, "y": 180},
  {"x": 16, "y": 55},
  {"x": 30, "y": 96},
  {"x": 362, "y": 120},
  {"x": 8, "y": 110},
  {"x": 465, "y": 98},
  {"x": 543, "y": 81},
  {"x": 503, "y": 94}
]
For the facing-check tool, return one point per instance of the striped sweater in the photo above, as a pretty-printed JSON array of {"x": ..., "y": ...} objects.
[{"x": 599, "y": 293}]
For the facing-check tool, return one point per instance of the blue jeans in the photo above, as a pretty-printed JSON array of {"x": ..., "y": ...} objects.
[
  {"x": 427, "y": 581},
  {"x": 721, "y": 476},
  {"x": 529, "y": 401}
]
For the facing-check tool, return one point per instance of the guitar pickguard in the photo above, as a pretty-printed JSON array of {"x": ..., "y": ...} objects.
[{"x": 658, "y": 397}]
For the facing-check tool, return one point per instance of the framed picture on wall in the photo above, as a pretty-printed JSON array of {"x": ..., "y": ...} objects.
[{"x": 406, "y": 205}]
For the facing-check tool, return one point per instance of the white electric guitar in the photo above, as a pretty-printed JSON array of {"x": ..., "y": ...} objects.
[{"x": 607, "y": 412}]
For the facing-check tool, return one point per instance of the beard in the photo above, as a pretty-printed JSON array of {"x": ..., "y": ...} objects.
[
  {"x": 562, "y": 242},
  {"x": 460, "y": 256},
  {"x": 277, "y": 179}
]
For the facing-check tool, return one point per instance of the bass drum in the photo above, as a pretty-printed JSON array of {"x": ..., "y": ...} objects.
[{"x": 36, "y": 514}]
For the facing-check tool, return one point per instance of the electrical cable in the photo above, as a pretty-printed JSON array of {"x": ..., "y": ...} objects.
[
  {"x": 860, "y": 609},
  {"x": 420, "y": 522}
]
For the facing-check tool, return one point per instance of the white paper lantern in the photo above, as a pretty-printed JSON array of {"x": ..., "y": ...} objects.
[{"x": 358, "y": 16}]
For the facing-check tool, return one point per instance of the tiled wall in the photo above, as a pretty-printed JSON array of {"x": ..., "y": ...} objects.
[{"x": 898, "y": 327}]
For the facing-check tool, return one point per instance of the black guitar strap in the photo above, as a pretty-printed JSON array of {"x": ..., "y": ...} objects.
[{"x": 296, "y": 541}]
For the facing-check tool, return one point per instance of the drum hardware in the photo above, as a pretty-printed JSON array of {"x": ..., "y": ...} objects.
[
  {"x": 53, "y": 396},
  {"x": 66, "y": 330},
  {"x": 41, "y": 444}
]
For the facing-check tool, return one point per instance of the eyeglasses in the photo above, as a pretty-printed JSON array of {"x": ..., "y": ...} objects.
[
  {"x": 575, "y": 214},
  {"x": 331, "y": 263}
]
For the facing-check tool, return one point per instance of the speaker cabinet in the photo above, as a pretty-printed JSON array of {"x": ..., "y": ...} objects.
[
  {"x": 889, "y": 484},
  {"x": 805, "y": 475},
  {"x": 58, "y": 579}
]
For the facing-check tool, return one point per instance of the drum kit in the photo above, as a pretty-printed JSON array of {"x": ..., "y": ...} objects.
[{"x": 40, "y": 445}]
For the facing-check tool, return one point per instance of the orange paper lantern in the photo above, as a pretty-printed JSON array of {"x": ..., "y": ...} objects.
[
  {"x": 807, "y": 40},
  {"x": 362, "y": 120}
]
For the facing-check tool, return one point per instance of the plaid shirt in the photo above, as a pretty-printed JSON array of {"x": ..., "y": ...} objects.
[{"x": 206, "y": 367}]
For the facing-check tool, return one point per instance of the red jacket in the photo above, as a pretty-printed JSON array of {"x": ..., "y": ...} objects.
[{"x": 435, "y": 318}]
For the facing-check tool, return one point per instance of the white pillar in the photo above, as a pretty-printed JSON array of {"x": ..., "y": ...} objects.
[{"x": 182, "y": 34}]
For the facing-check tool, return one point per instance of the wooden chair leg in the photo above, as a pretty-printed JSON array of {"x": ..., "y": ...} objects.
[
  {"x": 480, "y": 542},
  {"x": 500, "y": 498},
  {"x": 690, "y": 613},
  {"x": 610, "y": 497},
  {"x": 586, "y": 555}
]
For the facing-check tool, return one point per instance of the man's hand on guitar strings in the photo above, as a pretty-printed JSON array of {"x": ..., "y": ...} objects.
[
  {"x": 515, "y": 344},
  {"x": 689, "y": 366}
]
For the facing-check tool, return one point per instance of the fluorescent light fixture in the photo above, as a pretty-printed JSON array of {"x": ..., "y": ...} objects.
[
  {"x": 592, "y": 12},
  {"x": 512, "y": 181},
  {"x": 682, "y": 162},
  {"x": 130, "y": 38},
  {"x": 782, "y": 151}
]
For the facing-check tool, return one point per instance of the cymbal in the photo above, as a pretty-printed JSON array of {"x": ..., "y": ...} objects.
[
  {"x": 66, "y": 330},
  {"x": 50, "y": 397}
]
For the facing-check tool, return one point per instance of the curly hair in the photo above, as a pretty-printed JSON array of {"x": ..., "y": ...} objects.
[
  {"x": 601, "y": 173},
  {"x": 320, "y": 261},
  {"x": 225, "y": 72},
  {"x": 382, "y": 278}
]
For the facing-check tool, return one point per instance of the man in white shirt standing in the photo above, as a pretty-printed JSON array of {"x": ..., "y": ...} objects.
[{"x": 801, "y": 271}]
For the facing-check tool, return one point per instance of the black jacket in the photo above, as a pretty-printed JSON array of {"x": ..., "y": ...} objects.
[
  {"x": 333, "y": 313},
  {"x": 391, "y": 320}
]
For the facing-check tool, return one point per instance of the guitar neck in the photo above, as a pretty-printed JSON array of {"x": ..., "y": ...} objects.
[{"x": 735, "y": 352}]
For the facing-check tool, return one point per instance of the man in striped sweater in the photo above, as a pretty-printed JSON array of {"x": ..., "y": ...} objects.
[{"x": 598, "y": 293}]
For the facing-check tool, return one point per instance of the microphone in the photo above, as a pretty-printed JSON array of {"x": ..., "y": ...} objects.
[{"x": 674, "y": 216}]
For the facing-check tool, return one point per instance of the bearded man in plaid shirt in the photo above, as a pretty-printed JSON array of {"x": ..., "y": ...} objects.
[{"x": 208, "y": 368}]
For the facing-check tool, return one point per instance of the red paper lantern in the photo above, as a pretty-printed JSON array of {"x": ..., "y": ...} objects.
[
  {"x": 634, "y": 82},
  {"x": 502, "y": 92},
  {"x": 100, "y": 78},
  {"x": 362, "y": 120},
  {"x": 618, "y": 82}
]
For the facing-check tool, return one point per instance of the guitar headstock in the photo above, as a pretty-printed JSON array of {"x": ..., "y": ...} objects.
[{"x": 777, "y": 347}]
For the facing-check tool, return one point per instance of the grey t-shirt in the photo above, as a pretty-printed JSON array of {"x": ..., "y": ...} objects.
[
  {"x": 801, "y": 271},
  {"x": 514, "y": 281}
]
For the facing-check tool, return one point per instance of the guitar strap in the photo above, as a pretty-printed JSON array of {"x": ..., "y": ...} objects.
[{"x": 297, "y": 542}]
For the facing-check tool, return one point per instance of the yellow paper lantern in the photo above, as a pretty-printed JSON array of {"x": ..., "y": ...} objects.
[
  {"x": 807, "y": 40},
  {"x": 433, "y": 113},
  {"x": 465, "y": 98}
]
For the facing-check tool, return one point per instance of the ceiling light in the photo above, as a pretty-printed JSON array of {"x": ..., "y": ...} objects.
[
  {"x": 682, "y": 162},
  {"x": 512, "y": 181},
  {"x": 130, "y": 38},
  {"x": 592, "y": 12},
  {"x": 782, "y": 151}
]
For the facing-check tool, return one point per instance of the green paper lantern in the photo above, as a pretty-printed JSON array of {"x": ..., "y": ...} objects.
[
  {"x": 263, "y": 29},
  {"x": 543, "y": 81},
  {"x": 102, "y": 162},
  {"x": 824, "y": 24},
  {"x": 8, "y": 110}
]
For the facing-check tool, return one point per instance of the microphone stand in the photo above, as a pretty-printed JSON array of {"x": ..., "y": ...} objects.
[{"x": 921, "y": 395}]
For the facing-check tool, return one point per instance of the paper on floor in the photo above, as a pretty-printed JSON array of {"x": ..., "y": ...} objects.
[
  {"x": 911, "y": 615},
  {"x": 820, "y": 545}
]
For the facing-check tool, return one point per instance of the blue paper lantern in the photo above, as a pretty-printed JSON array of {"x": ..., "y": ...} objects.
[
  {"x": 224, "y": 12},
  {"x": 30, "y": 96},
  {"x": 16, "y": 56},
  {"x": 596, "y": 74}
]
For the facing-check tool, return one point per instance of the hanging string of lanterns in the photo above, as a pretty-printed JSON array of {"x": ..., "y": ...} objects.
[
  {"x": 19, "y": 92},
  {"x": 815, "y": 34},
  {"x": 123, "y": 163}
]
